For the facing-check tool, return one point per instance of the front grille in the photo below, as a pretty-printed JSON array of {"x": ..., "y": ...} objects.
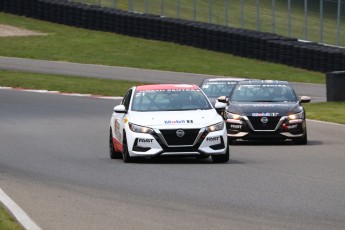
[
  {"x": 258, "y": 125},
  {"x": 188, "y": 138}
]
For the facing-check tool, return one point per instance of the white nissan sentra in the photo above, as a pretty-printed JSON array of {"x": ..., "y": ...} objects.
[{"x": 168, "y": 120}]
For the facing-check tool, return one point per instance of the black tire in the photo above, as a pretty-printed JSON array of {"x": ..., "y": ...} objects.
[
  {"x": 125, "y": 154},
  {"x": 231, "y": 141},
  {"x": 303, "y": 140},
  {"x": 112, "y": 153},
  {"x": 223, "y": 158}
]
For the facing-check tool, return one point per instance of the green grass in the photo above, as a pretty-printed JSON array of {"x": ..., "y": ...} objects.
[
  {"x": 250, "y": 15},
  {"x": 60, "y": 83},
  {"x": 64, "y": 43},
  {"x": 6, "y": 221},
  {"x": 326, "y": 111}
]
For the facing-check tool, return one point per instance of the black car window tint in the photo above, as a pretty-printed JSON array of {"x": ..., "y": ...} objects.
[{"x": 126, "y": 99}]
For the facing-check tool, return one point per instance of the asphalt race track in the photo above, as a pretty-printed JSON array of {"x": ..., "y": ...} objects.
[
  {"x": 317, "y": 92},
  {"x": 54, "y": 163}
]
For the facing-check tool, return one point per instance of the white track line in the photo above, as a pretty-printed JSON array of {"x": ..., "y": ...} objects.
[
  {"x": 105, "y": 97},
  {"x": 61, "y": 93},
  {"x": 325, "y": 122},
  {"x": 17, "y": 212}
]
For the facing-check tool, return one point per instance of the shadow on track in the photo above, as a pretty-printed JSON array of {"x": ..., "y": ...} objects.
[
  {"x": 181, "y": 160},
  {"x": 271, "y": 143}
]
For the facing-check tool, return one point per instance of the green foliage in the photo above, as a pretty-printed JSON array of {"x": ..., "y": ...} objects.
[
  {"x": 94, "y": 86},
  {"x": 7, "y": 222},
  {"x": 202, "y": 9},
  {"x": 326, "y": 111},
  {"x": 64, "y": 43}
]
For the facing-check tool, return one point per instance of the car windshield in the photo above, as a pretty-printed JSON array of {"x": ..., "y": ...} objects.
[
  {"x": 264, "y": 93},
  {"x": 169, "y": 100},
  {"x": 218, "y": 88}
]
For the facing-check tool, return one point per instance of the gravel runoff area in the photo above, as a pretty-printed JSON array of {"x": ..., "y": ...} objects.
[{"x": 9, "y": 31}]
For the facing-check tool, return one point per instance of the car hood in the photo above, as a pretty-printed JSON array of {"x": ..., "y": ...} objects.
[
  {"x": 280, "y": 108},
  {"x": 174, "y": 119}
]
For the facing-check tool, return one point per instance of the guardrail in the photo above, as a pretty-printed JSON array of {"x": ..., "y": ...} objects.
[{"x": 246, "y": 43}]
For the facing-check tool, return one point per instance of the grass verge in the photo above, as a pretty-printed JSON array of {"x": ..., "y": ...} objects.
[
  {"x": 66, "y": 84},
  {"x": 218, "y": 14},
  {"x": 326, "y": 111},
  {"x": 65, "y": 43},
  {"x": 6, "y": 221}
]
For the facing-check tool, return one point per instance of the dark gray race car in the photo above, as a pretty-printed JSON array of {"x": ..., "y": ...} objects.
[
  {"x": 266, "y": 110},
  {"x": 216, "y": 87}
]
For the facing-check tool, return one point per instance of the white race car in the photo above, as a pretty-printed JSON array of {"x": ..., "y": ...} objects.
[{"x": 167, "y": 120}]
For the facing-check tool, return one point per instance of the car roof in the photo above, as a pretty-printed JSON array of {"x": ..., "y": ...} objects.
[
  {"x": 166, "y": 87},
  {"x": 263, "y": 82}
]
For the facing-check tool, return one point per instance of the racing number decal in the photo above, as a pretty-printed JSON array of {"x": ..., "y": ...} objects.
[{"x": 118, "y": 137}]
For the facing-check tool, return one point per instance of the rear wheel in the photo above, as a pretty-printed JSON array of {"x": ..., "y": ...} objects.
[
  {"x": 222, "y": 158},
  {"x": 113, "y": 154}
]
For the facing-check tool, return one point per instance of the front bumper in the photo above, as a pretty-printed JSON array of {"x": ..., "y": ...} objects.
[
  {"x": 157, "y": 144},
  {"x": 282, "y": 129}
]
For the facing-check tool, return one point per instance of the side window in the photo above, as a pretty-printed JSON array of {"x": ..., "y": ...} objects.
[{"x": 126, "y": 100}]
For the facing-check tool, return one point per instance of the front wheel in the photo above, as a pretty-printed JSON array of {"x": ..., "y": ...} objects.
[
  {"x": 303, "y": 140},
  {"x": 231, "y": 141},
  {"x": 125, "y": 154},
  {"x": 222, "y": 158}
]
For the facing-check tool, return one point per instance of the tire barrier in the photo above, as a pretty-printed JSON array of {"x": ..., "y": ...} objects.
[
  {"x": 335, "y": 86},
  {"x": 246, "y": 43}
]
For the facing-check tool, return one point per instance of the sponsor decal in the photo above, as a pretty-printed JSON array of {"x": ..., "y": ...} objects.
[
  {"x": 166, "y": 87},
  {"x": 292, "y": 126},
  {"x": 212, "y": 139},
  {"x": 263, "y": 105},
  {"x": 125, "y": 120},
  {"x": 220, "y": 83},
  {"x": 145, "y": 140},
  {"x": 263, "y": 85},
  {"x": 235, "y": 126},
  {"x": 173, "y": 122},
  {"x": 265, "y": 114}
]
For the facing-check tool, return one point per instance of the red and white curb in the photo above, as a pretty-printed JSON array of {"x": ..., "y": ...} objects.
[
  {"x": 18, "y": 213},
  {"x": 61, "y": 93}
]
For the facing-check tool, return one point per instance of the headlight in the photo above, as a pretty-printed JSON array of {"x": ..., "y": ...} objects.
[
  {"x": 296, "y": 116},
  {"x": 233, "y": 116},
  {"x": 215, "y": 127},
  {"x": 139, "y": 129}
]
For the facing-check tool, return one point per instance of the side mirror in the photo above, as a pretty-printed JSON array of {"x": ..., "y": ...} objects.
[
  {"x": 223, "y": 99},
  {"x": 220, "y": 107},
  {"x": 120, "y": 109},
  {"x": 305, "y": 99}
]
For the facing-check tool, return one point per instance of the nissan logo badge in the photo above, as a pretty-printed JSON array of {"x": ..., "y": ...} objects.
[
  {"x": 264, "y": 120},
  {"x": 180, "y": 133}
]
